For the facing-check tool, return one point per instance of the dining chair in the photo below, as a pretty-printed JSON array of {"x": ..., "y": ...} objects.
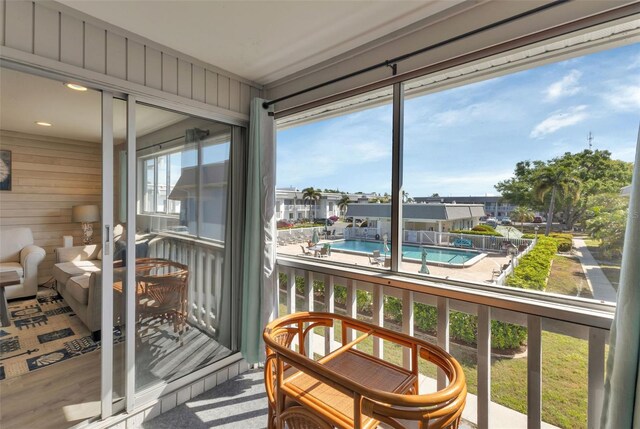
[{"x": 163, "y": 296}]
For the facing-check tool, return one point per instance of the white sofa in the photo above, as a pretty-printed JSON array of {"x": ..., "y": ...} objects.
[
  {"x": 78, "y": 274},
  {"x": 18, "y": 253}
]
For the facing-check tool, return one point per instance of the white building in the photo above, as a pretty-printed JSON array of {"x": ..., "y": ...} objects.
[
  {"x": 291, "y": 205},
  {"x": 437, "y": 217}
]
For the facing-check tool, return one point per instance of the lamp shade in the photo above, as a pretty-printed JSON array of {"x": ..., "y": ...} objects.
[{"x": 85, "y": 213}]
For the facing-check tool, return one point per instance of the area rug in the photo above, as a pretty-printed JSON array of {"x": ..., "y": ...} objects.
[{"x": 44, "y": 331}]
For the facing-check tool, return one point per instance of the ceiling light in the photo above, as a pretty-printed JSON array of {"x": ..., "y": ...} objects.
[
  {"x": 43, "y": 124},
  {"x": 75, "y": 86}
]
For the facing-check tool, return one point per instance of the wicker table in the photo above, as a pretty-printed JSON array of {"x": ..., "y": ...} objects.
[
  {"x": 7, "y": 278},
  {"x": 359, "y": 367}
]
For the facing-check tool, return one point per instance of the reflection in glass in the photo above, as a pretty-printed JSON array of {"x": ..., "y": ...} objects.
[{"x": 183, "y": 309}]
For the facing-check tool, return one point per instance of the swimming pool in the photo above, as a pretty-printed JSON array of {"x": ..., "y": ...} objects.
[{"x": 436, "y": 255}]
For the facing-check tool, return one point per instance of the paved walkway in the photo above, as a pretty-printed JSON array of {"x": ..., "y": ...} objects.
[{"x": 598, "y": 282}]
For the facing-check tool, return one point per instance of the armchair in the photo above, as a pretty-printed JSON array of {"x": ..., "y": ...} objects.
[{"x": 19, "y": 254}]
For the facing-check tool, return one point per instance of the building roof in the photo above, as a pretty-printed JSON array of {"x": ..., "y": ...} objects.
[
  {"x": 419, "y": 211},
  {"x": 461, "y": 199}
]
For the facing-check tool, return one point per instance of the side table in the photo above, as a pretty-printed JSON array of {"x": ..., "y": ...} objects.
[{"x": 7, "y": 278}]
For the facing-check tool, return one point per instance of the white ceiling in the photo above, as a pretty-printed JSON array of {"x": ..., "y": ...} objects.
[
  {"x": 25, "y": 99},
  {"x": 261, "y": 40}
]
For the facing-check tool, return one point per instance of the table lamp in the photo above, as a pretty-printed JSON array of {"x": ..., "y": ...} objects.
[{"x": 86, "y": 214}]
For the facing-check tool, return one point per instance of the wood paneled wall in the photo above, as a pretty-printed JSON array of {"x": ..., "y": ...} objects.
[
  {"x": 49, "y": 176},
  {"x": 54, "y": 32}
]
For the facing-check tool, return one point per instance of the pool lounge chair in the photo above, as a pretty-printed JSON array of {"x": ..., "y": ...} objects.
[
  {"x": 305, "y": 251},
  {"x": 374, "y": 258}
]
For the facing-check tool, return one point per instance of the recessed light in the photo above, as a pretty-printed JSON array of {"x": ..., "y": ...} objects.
[
  {"x": 75, "y": 86},
  {"x": 43, "y": 124}
]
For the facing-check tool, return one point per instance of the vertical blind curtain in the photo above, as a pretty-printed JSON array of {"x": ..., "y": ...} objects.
[
  {"x": 621, "y": 407},
  {"x": 227, "y": 312},
  {"x": 259, "y": 250}
]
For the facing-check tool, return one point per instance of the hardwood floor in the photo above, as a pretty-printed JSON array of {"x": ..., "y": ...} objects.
[
  {"x": 67, "y": 393},
  {"x": 56, "y": 397}
]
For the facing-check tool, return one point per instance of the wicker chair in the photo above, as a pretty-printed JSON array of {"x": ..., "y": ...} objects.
[
  {"x": 284, "y": 337},
  {"x": 350, "y": 388},
  {"x": 163, "y": 288},
  {"x": 298, "y": 417}
]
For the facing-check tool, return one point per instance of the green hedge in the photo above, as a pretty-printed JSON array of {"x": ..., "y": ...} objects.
[
  {"x": 484, "y": 227},
  {"x": 533, "y": 269},
  {"x": 565, "y": 241}
]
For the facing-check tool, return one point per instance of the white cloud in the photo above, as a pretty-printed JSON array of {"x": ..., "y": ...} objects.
[
  {"x": 566, "y": 86},
  {"x": 624, "y": 98},
  {"x": 558, "y": 120},
  {"x": 457, "y": 116}
]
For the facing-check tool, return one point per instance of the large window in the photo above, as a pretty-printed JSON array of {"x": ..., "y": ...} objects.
[
  {"x": 502, "y": 170},
  {"x": 185, "y": 186},
  {"x": 337, "y": 190},
  {"x": 161, "y": 174}
]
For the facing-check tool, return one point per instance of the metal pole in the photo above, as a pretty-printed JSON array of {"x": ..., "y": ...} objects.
[{"x": 396, "y": 176}]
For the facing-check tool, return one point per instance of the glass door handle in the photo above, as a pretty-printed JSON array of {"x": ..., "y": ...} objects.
[{"x": 107, "y": 240}]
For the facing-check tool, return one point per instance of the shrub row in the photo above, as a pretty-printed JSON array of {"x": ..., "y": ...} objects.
[
  {"x": 533, "y": 269},
  {"x": 564, "y": 239}
]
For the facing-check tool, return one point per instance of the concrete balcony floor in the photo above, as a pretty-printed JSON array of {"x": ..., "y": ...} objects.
[{"x": 238, "y": 403}]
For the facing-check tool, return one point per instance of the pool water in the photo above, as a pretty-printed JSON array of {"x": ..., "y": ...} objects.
[{"x": 434, "y": 254}]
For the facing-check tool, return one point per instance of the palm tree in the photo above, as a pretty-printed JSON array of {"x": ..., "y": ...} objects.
[
  {"x": 343, "y": 204},
  {"x": 406, "y": 198},
  {"x": 311, "y": 194},
  {"x": 522, "y": 214},
  {"x": 555, "y": 179}
]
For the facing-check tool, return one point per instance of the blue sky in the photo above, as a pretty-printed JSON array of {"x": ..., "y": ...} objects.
[{"x": 462, "y": 141}]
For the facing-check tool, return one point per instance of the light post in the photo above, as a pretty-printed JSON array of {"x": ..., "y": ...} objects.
[{"x": 536, "y": 228}]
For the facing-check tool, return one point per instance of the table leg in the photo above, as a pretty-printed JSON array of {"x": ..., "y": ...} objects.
[{"x": 4, "y": 308}]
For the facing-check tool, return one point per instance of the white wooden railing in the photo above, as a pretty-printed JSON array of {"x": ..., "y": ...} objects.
[
  {"x": 205, "y": 262},
  {"x": 537, "y": 311}
]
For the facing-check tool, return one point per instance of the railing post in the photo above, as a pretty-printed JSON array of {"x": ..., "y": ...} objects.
[
  {"x": 534, "y": 372},
  {"x": 329, "y": 304},
  {"x": 484, "y": 365},
  {"x": 407, "y": 324},
  {"x": 291, "y": 291},
  {"x": 443, "y": 335},
  {"x": 352, "y": 306},
  {"x": 276, "y": 310},
  {"x": 596, "y": 377},
  {"x": 308, "y": 298},
  {"x": 378, "y": 318},
  {"x": 208, "y": 289}
]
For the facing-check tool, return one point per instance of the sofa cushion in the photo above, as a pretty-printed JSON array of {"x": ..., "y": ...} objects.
[
  {"x": 12, "y": 241},
  {"x": 63, "y": 271},
  {"x": 12, "y": 266},
  {"x": 78, "y": 287}
]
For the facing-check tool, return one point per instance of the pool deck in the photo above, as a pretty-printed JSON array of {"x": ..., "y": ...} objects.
[{"x": 481, "y": 271}]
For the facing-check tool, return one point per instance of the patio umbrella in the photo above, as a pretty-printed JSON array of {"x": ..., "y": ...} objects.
[{"x": 315, "y": 238}]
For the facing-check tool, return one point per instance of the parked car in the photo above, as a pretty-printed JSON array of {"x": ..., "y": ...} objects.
[
  {"x": 334, "y": 218},
  {"x": 538, "y": 219},
  {"x": 492, "y": 222},
  {"x": 506, "y": 221},
  {"x": 284, "y": 224}
]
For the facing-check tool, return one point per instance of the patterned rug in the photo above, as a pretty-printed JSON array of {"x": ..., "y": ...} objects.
[{"x": 43, "y": 332}]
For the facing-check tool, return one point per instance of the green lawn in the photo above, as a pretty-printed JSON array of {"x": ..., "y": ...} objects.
[
  {"x": 567, "y": 278},
  {"x": 564, "y": 374}
]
